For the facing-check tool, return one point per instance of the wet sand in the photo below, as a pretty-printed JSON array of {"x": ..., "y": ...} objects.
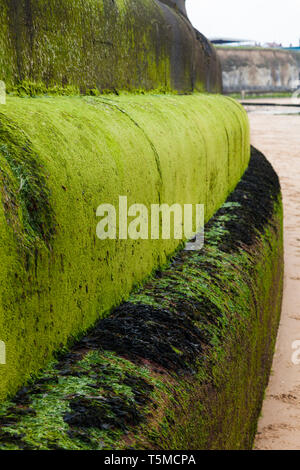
[{"x": 278, "y": 137}]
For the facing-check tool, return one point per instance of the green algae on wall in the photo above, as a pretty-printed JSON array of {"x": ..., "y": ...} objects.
[
  {"x": 198, "y": 340},
  {"x": 134, "y": 45},
  {"x": 60, "y": 159}
]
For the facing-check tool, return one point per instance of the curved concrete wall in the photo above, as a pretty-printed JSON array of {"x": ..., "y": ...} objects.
[
  {"x": 258, "y": 70},
  {"x": 60, "y": 159},
  {"x": 180, "y": 4},
  {"x": 99, "y": 45},
  {"x": 210, "y": 317},
  {"x": 185, "y": 362}
]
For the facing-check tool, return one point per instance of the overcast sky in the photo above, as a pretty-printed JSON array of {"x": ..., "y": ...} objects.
[{"x": 260, "y": 20}]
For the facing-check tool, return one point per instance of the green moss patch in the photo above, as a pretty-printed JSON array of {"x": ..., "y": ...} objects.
[
  {"x": 83, "y": 401},
  {"x": 25, "y": 194}
]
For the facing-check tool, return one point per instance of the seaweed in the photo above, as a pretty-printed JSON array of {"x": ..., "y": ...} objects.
[{"x": 141, "y": 331}]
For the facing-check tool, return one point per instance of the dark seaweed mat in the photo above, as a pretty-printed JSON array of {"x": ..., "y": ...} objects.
[
  {"x": 142, "y": 331},
  {"x": 256, "y": 193},
  {"x": 103, "y": 413}
]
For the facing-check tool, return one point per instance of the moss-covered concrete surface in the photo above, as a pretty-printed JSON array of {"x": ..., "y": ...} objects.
[
  {"x": 60, "y": 159},
  {"x": 92, "y": 46},
  {"x": 184, "y": 363}
]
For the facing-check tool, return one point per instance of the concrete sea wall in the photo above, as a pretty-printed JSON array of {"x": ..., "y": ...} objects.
[
  {"x": 258, "y": 70},
  {"x": 296, "y": 55},
  {"x": 130, "y": 343}
]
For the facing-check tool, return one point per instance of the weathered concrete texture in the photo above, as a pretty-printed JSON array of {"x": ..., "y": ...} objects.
[
  {"x": 180, "y": 4},
  {"x": 203, "y": 71},
  {"x": 258, "y": 70},
  {"x": 99, "y": 45},
  {"x": 296, "y": 55}
]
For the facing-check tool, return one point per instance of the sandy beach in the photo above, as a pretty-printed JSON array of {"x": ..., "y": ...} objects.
[{"x": 278, "y": 137}]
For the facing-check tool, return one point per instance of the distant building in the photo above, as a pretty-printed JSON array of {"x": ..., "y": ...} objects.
[
  {"x": 274, "y": 45},
  {"x": 233, "y": 42}
]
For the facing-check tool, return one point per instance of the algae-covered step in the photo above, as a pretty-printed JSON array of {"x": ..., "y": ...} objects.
[{"x": 62, "y": 157}]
